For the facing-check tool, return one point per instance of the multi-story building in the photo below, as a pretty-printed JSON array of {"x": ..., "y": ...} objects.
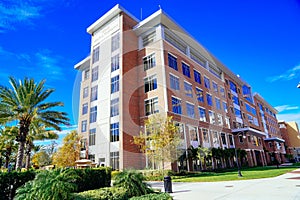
[
  {"x": 273, "y": 142},
  {"x": 290, "y": 133},
  {"x": 138, "y": 68}
]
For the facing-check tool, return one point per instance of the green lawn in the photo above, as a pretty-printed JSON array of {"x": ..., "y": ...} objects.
[{"x": 250, "y": 173}]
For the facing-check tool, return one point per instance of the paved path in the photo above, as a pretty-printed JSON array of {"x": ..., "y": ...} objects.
[{"x": 284, "y": 187}]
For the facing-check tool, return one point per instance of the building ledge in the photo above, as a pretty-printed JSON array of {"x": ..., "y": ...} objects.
[
  {"x": 83, "y": 64},
  {"x": 275, "y": 139},
  {"x": 249, "y": 130}
]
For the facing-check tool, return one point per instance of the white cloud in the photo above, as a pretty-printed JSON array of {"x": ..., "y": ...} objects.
[
  {"x": 289, "y": 117},
  {"x": 287, "y": 75},
  {"x": 18, "y": 11},
  {"x": 283, "y": 108}
]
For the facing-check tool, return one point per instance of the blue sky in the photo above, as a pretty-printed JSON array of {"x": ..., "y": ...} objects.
[{"x": 259, "y": 40}]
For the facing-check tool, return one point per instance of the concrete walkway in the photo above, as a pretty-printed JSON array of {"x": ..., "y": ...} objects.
[{"x": 284, "y": 187}]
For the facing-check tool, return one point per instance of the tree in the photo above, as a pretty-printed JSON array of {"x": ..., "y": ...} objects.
[
  {"x": 7, "y": 142},
  {"x": 37, "y": 131},
  {"x": 25, "y": 102},
  {"x": 69, "y": 152},
  {"x": 41, "y": 159},
  {"x": 203, "y": 153},
  {"x": 161, "y": 140}
]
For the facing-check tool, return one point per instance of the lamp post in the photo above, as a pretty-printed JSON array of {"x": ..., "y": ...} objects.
[{"x": 236, "y": 156}]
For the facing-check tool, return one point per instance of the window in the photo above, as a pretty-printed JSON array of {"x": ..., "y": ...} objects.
[
  {"x": 248, "y": 107},
  {"x": 227, "y": 122},
  {"x": 253, "y": 110},
  {"x": 115, "y": 63},
  {"x": 230, "y": 140},
  {"x": 237, "y": 113},
  {"x": 241, "y": 138},
  {"x": 95, "y": 55},
  {"x": 222, "y": 91},
  {"x": 115, "y": 42},
  {"x": 83, "y": 126},
  {"x": 149, "y": 62},
  {"x": 218, "y": 104},
  {"x": 176, "y": 105},
  {"x": 225, "y": 107},
  {"x": 95, "y": 73},
  {"x": 209, "y": 99},
  {"x": 197, "y": 77},
  {"x": 202, "y": 114},
  {"x": 172, "y": 62},
  {"x": 151, "y": 106},
  {"x": 205, "y": 135},
  {"x": 85, "y": 92},
  {"x": 92, "y": 137},
  {"x": 194, "y": 136},
  {"x": 114, "y": 107},
  {"x": 150, "y": 83},
  {"x": 215, "y": 87},
  {"x": 114, "y": 160},
  {"x": 93, "y": 114},
  {"x": 115, "y": 84},
  {"x": 223, "y": 137},
  {"x": 174, "y": 82},
  {"x": 86, "y": 74},
  {"x": 84, "y": 108},
  {"x": 114, "y": 132},
  {"x": 199, "y": 94},
  {"x": 149, "y": 38},
  {"x": 186, "y": 70},
  {"x": 190, "y": 110},
  {"x": 188, "y": 89},
  {"x": 211, "y": 115},
  {"x": 232, "y": 86},
  {"x": 94, "y": 93},
  {"x": 206, "y": 82},
  {"x": 235, "y": 100},
  {"x": 215, "y": 138},
  {"x": 220, "y": 119}
]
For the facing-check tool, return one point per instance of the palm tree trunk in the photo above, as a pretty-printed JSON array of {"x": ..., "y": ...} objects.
[
  {"x": 20, "y": 155},
  {"x": 28, "y": 154},
  {"x": 7, "y": 155}
]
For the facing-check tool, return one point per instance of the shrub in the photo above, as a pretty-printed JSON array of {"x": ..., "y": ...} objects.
[
  {"x": 95, "y": 178},
  {"x": 114, "y": 173},
  {"x": 108, "y": 193},
  {"x": 154, "y": 196},
  {"x": 10, "y": 181},
  {"x": 55, "y": 185},
  {"x": 132, "y": 181}
]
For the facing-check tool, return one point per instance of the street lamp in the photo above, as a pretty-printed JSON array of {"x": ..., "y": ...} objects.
[{"x": 236, "y": 155}]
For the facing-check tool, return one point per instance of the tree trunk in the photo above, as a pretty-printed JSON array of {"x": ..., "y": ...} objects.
[
  {"x": 20, "y": 155},
  {"x": 7, "y": 156},
  {"x": 28, "y": 154}
]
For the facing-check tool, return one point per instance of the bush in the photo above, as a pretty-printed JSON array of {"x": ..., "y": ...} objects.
[
  {"x": 154, "y": 196},
  {"x": 55, "y": 185},
  {"x": 108, "y": 193},
  {"x": 14, "y": 179},
  {"x": 114, "y": 173},
  {"x": 132, "y": 181},
  {"x": 93, "y": 178}
]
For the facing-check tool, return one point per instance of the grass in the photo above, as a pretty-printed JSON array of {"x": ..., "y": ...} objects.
[{"x": 249, "y": 173}]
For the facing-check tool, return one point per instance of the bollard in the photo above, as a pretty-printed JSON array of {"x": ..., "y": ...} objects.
[{"x": 168, "y": 184}]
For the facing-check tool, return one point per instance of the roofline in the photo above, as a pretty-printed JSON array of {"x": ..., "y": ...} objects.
[
  {"x": 257, "y": 95},
  {"x": 275, "y": 139},
  {"x": 79, "y": 65},
  {"x": 164, "y": 18},
  {"x": 117, "y": 9}
]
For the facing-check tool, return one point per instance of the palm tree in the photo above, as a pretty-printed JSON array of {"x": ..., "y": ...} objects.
[
  {"x": 193, "y": 154},
  {"x": 37, "y": 131},
  {"x": 203, "y": 154},
  {"x": 24, "y": 103},
  {"x": 7, "y": 142}
]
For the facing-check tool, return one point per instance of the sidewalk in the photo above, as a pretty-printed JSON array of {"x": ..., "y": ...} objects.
[{"x": 284, "y": 187}]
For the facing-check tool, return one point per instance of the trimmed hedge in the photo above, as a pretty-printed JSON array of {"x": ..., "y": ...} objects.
[
  {"x": 108, "y": 193},
  {"x": 93, "y": 178},
  {"x": 14, "y": 179},
  {"x": 154, "y": 196}
]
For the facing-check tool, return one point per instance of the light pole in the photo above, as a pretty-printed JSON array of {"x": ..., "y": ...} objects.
[{"x": 236, "y": 155}]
